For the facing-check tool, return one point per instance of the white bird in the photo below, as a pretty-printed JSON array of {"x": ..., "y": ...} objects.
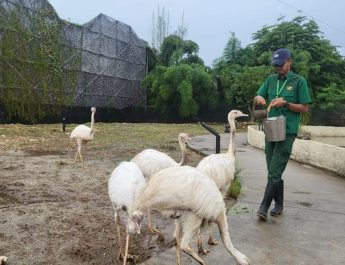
[
  {"x": 124, "y": 186},
  {"x": 189, "y": 196},
  {"x": 83, "y": 134},
  {"x": 221, "y": 167},
  {"x": 150, "y": 161}
]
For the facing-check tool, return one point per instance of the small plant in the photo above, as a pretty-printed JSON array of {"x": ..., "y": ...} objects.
[
  {"x": 305, "y": 118},
  {"x": 235, "y": 188}
]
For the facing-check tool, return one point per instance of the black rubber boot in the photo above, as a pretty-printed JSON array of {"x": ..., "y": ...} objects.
[
  {"x": 266, "y": 201},
  {"x": 279, "y": 200}
]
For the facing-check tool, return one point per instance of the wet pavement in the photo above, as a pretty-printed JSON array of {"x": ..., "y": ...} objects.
[{"x": 311, "y": 230}]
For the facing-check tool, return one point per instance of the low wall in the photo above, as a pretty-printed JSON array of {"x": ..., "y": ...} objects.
[{"x": 317, "y": 154}]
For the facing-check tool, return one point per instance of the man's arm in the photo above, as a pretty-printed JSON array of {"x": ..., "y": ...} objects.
[{"x": 296, "y": 107}]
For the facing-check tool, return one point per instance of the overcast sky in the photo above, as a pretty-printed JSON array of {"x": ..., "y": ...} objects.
[{"x": 210, "y": 23}]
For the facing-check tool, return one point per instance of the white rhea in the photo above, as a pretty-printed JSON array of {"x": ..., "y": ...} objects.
[
  {"x": 83, "y": 134},
  {"x": 221, "y": 167},
  {"x": 124, "y": 186},
  {"x": 190, "y": 197},
  {"x": 150, "y": 161}
]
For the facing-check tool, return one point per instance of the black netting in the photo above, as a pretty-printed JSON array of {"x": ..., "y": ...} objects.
[{"x": 102, "y": 62}]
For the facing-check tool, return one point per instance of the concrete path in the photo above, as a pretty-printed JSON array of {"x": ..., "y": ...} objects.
[{"x": 311, "y": 230}]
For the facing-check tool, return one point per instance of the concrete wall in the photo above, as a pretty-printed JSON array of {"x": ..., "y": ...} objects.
[
  {"x": 324, "y": 156},
  {"x": 322, "y": 131}
]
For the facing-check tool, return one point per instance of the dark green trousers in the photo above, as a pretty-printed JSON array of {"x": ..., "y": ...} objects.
[{"x": 277, "y": 157}]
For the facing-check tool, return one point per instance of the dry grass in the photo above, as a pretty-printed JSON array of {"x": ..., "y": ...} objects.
[{"x": 126, "y": 138}]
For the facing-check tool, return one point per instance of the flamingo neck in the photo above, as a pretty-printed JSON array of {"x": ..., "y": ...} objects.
[{"x": 231, "y": 150}]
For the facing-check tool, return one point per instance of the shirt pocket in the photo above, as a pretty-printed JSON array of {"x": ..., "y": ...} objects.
[
  {"x": 289, "y": 94},
  {"x": 272, "y": 94}
]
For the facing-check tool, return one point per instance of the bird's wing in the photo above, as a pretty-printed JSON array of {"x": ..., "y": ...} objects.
[
  {"x": 151, "y": 161},
  {"x": 182, "y": 188},
  {"x": 81, "y": 131},
  {"x": 220, "y": 168},
  {"x": 125, "y": 184}
]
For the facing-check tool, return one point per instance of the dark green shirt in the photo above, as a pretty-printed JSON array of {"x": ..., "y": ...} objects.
[{"x": 295, "y": 90}]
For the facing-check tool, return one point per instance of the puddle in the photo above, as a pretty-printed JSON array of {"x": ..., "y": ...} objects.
[{"x": 306, "y": 204}]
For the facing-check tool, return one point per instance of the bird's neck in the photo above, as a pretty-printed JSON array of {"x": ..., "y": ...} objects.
[
  {"x": 183, "y": 153},
  {"x": 231, "y": 150},
  {"x": 92, "y": 122}
]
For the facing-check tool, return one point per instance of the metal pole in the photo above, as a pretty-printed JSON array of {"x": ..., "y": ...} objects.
[
  {"x": 214, "y": 132},
  {"x": 63, "y": 123}
]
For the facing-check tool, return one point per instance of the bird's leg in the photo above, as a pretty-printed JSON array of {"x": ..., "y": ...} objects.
[
  {"x": 79, "y": 149},
  {"x": 81, "y": 159},
  {"x": 76, "y": 156},
  {"x": 211, "y": 240},
  {"x": 151, "y": 229},
  {"x": 200, "y": 246},
  {"x": 177, "y": 237},
  {"x": 191, "y": 225},
  {"x": 117, "y": 223},
  {"x": 126, "y": 249}
]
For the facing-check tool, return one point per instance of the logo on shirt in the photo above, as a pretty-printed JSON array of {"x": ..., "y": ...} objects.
[{"x": 289, "y": 88}]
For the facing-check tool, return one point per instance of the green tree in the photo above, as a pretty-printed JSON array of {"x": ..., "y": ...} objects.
[
  {"x": 241, "y": 83},
  {"x": 314, "y": 56},
  {"x": 230, "y": 53},
  {"x": 332, "y": 96},
  {"x": 176, "y": 50},
  {"x": 179, "y": 89}
]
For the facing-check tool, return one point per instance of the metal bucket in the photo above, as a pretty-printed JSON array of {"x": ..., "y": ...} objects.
[
  {"x": 275, "y": 128},
  {"x": 260, "y": 114}
]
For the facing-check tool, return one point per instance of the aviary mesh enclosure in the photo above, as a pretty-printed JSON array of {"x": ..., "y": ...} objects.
[{"x": 100, "y": 63}]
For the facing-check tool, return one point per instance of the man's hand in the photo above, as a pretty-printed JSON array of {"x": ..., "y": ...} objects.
[
  {"x": 259, "y": 100},
  {"x": 278, "y": 102}
]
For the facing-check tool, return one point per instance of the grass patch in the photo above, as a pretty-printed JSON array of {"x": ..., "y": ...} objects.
[{"x": 235, "y": 188}]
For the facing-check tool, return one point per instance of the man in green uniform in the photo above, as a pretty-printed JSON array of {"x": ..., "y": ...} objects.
[{"x": 287, "y": 94}]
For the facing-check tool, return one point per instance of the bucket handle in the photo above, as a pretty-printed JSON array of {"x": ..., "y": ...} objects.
[{"x": 270, "y": 106}]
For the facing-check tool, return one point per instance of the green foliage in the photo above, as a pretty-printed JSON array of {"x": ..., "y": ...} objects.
[
  {"x": 314, "y": 57},
  {"x": 171, "y": 50},
  {"x": 184, "y": 85},
  {"x": 305, "y": 118},
  {"x": 175, "y": 50},
  {"x": 31, "y": 76},
  {"x": 231, "y": 49},
  {"x": 152, "y": 59},
  {"x": 242, "y": 71},
  {"x": 241, "y": 83},
  {"x": 179, "y": 83},
  {"x": 179, "y": 89},
  {"x": 235, "y": 188},
  {"x": 332, "y": 96}
]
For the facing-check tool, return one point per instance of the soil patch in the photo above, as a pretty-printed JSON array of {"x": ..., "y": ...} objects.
[{"x": 55, "y": 211}]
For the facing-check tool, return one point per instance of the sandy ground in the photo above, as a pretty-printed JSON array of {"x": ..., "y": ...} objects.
[{"x": 55, "y": 211}]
